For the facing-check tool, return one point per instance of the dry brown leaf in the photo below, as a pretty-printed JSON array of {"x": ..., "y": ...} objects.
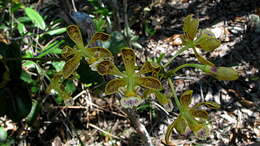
[{"x": 174, "y": 40}]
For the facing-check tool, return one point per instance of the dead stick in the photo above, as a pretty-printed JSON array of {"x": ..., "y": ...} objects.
[{"x": 139, "y": 127}]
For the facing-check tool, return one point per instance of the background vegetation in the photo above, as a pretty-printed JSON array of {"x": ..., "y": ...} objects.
[{"x": 32, "y": 39}]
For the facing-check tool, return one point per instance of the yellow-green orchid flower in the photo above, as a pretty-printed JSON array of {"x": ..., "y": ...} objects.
[
  {"x": 92, "y": 54},
  {"x": 129, "y": 79},
  {"x": 56, "y": 84},
  {"x": 191, "y": 117},
  {"x": 193, "y": 38}
]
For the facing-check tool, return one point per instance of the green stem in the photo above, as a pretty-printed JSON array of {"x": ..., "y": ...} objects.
[
  {"x": 34, "y": 59},
  {"x": 175, "y": 55},
  {"x": 172, "y": 72},
  {"x": 174, "y": 95}
]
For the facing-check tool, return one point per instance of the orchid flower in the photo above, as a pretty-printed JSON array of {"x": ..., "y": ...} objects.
[
  {"x": 129, "y": 79},
  {"x": 203, "y": 39},
  {"x": 93, "y": 55},
  {"x": 191, "y": 117}
]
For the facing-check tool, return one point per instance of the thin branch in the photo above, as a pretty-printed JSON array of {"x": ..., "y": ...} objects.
[
  {"x": 139, "y": 127},
  {"x": 105, "y": 132},
  {"x": 127, "y": 37}
]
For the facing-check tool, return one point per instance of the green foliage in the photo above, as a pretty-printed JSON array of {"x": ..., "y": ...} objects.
[
  {"x": 5, "y": 140},
  {"x": 148, "y": 30},
  {"x": 14, "y": 96},
  {"x": 3, "y": 135},
  {"x": 116, "y": 43},
  {"x": 36, "y": 18}
]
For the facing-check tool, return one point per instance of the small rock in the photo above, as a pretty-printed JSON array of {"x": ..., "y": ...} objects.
[{"x": 247, "y": 111}]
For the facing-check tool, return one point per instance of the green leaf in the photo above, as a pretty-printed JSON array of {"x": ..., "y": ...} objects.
[
  {"x": 144, "y": 107},
  {"x": 34, "y": 89},
  {"x": 70, "y": 87},
  {"x": 29, "y": 64},
  {"x": 57, "y": 31},
  {"x": 51, "y": 49},
  {"x": 3, "y": 27},
  {"x": 100, "y": 24},
  {"x": 21, "y": 28},
  {"x": 59, "y": 100},
  {"x": 58, "y": 65},
  {"x": 3, "y": 134},
  {"x": 26, "y": 77},
  {"x": 35, "y": 17},
  {"x": 23, "y": 19}
]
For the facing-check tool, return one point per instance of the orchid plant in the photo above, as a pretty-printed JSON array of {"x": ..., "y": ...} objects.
[{"x": 127, "y": 82}]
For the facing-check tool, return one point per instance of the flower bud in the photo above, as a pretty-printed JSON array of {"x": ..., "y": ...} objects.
[{"x": 222, "y": 73}]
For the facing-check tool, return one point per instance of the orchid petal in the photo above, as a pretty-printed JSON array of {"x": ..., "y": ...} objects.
[
  {"x": 130, "y": 102},
  {"x": 113, "y": 85},
  {"x": 149, "y": 67},
  {"x": 193, "y": 123},
  {"x": 57, "y": 86},
  {"x": 186, "y": 98},
  {"x": 203, "y": 133},
  {"x": 162, "y": 99},
  {"x": 149, "y": 82},
  {"x": 54, "y": 82},
  {"x": 147, "y": 92},
  {"x": 71, "y": 65},
  {"x": 199, "y": 113},
  {"x": 207, "y": 41},
  {"x": 98, "y": 52},
  {"x": 209, "y": 104},
  {"x": 100, "y": 36},
  {"x": 180, "y": 125},
  {"x": 108, "y": 67},
  {"x": 129, "y": 59},
  {"x": 75, "y": 35},
  {"x": 190, "y": 27},
  {"x": 68, "y": 51},
  {"x": 62, "y": 93}
]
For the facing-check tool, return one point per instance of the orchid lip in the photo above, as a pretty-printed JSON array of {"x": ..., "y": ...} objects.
[{"x": 214, "y": 69}]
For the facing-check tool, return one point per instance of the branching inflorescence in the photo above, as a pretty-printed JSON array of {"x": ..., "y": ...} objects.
[{"x": 128, "y": 81}]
